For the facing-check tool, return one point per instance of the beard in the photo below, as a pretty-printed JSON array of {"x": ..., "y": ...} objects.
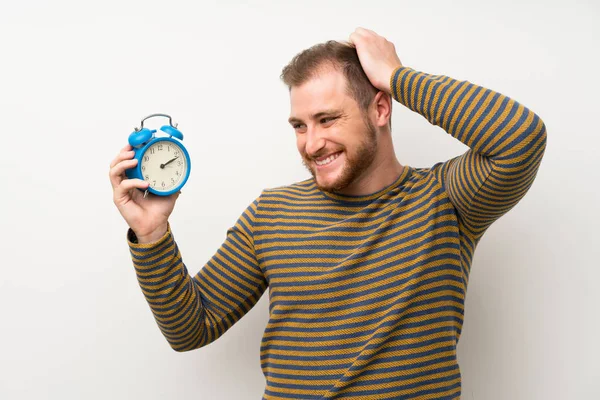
[{"x": 356, "y": 163}]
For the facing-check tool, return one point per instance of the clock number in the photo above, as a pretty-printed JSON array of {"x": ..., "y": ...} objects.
[
  {"x": 146, "y": 158},
  {"x": 143, "y": 167},
  {"x": 163, "y": 184},
  {"x": 169, "y": 148},
  {"x": 152, "y": 150},
  {"x": 153, "y": 183},
  {"x": 176, "y": 153},
  {"x": 173, "y": 180},
  {"x": 177, "y": 173},
  {"x": 147, "y": 177},
  {"x": 160, "y": 147},
  {"x": 178, "y": 162}
]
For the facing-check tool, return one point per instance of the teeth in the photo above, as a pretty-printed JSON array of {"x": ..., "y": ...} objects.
[{"x": 328, "y": 159}]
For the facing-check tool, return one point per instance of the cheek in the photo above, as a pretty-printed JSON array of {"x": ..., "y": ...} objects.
[
  {"x": 300, "y": 143},
  {"x": 355, "y": 135}
]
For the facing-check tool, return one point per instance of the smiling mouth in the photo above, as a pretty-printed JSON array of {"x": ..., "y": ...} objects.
[{"x": 325, "y": 161}]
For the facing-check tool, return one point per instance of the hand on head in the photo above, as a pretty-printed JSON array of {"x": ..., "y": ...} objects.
[{"x": 377, "y": 56}]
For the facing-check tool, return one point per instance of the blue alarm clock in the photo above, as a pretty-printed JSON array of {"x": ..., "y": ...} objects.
[{"x": 162, "y": 161}]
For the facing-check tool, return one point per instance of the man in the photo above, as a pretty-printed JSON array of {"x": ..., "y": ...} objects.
[{"x": 367, "y": 262}]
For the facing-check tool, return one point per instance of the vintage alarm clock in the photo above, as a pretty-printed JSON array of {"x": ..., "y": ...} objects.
[{"x": 162, "y": 161}]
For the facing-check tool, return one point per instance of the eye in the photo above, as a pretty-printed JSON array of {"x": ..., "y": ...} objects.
[
  {"x": 327, "y": 119},
  {"x": 298, "y": 127}
]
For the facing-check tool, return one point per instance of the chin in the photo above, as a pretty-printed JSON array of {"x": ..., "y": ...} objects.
[
  {"x": 327, "y": 186},
  {"x": 331, "y": 183}
]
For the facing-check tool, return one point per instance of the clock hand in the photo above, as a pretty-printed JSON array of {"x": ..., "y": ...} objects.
[{"x": 168, "y": 162}]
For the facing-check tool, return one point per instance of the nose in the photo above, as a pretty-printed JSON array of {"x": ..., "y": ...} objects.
[{"x": 315, "y": 141}]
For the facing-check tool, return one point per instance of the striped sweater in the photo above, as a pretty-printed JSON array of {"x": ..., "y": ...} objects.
[{"x": 366, "y": 293}]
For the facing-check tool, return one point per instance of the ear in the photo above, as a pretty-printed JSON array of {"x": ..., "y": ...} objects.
[{"x": 382, "y": 109}]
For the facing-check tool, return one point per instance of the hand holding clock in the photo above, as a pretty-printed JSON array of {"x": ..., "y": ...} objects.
[{"x": 147, "y": 217}]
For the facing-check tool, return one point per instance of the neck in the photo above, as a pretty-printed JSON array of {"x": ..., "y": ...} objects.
[{"x": 383, "y": 171}]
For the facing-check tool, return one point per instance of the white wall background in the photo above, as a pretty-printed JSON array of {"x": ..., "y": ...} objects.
[{"x": 76, "y": 77}]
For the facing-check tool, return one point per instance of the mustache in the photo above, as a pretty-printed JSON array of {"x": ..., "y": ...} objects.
[{"x": 321, "y": 154}]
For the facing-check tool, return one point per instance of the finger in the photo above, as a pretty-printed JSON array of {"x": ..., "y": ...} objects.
[
  {"x": 362, "y": 31},
  {"x": 368, "y": 34},
  {"x": 368, "y": 31},
  {"x": 117, "y": 173},
  {"x": 123, "y": 155},
  {"x": 126, "y": 152},
  {"x": 125, "y": 186},
  {"x": 354, "y": 38}
]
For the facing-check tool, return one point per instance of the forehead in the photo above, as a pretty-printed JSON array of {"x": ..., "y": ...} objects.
[{"x": 325, "y": 91}]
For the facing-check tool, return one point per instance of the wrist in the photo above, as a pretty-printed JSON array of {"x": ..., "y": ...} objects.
[
  {"x": 153, "y": 236},
  {"x": 395, "y": 81},
  {"x": 387, "y": 85}
]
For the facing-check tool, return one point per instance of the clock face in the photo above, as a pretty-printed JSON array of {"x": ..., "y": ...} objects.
[{"x": 164, "y": 165}]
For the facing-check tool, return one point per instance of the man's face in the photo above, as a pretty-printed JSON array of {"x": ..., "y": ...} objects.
[{"x": 335, "y": 139}]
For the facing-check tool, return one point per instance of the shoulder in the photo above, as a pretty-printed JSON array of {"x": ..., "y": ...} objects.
[
  {"x": 420, "y": 174},
  {"x": 293, "y": 196},
  {"x": 300, "y": 190},
  {"x": 437, "y": 172}
]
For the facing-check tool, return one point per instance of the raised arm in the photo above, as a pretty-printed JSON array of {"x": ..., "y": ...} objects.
[
  {"x": 190, "y": 311},
  {"x": 506, "y": 140}
]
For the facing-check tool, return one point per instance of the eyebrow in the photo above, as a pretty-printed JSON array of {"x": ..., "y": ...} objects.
[{"x": 316, "y": 116}]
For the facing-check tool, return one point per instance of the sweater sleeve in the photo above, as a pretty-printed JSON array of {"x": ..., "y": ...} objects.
[
  {"x": 506, "y": 140},
  {"x": 191, "y": 312}
]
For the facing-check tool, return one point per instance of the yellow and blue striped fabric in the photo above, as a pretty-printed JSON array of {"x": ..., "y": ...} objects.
[{"x": 366, "y": 294}]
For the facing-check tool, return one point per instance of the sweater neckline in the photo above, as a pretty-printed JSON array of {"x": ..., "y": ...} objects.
[{"x": 403, "y": 177}]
